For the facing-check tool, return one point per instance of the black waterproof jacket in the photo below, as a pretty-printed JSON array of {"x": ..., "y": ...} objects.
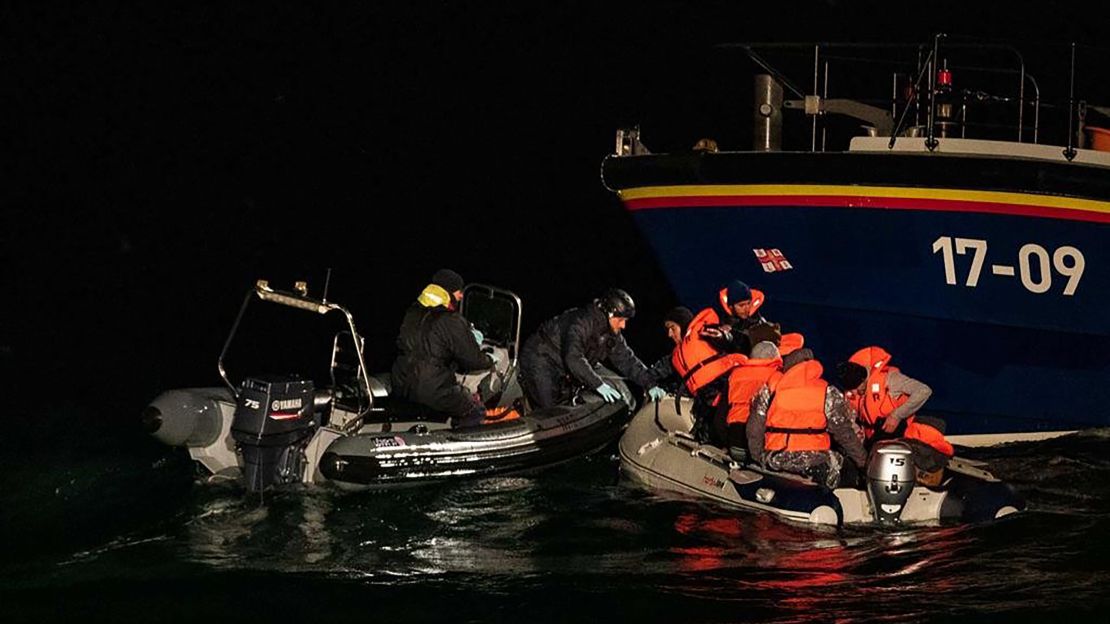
[
  {"x": 434, "y": 344},
  {"x": 579, "y": 338}
]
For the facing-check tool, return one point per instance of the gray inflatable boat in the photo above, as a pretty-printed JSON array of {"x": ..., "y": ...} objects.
[{"x": 658, "y": 451}]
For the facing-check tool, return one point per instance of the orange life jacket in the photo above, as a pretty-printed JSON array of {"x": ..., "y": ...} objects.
[
  {"x": 696, "y": 361},
  {"x": 745, "y": 381},
  {"x": 500, "y": 414},
  {"x": 791, "y": 343},
  {"x": 757, "y": 300},
  {"x": 876, "y": 403},
  {"x": 796, "y": 419}
]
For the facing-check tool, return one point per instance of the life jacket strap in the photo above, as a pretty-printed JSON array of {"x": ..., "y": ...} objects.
[
  {"x": 702, "y": 364},
  {"x": 796, "y": 431}
]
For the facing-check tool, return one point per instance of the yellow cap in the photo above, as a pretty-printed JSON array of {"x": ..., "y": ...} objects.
[{"x": 434, "y": 296}]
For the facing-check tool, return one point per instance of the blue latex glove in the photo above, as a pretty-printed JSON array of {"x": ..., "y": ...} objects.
[
  {"x": 477, "y": 335},
  {"x": 656, "y": 393},
  {"x": 608, "y": 393}
]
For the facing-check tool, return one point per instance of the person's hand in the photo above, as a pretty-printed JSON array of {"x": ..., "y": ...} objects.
[
  {"x": 716, "y": 332},
  {"x": 494, "y": 356},
  {"x": 656, "y": 393},
  {"x": 608, "y": 393},
  {"x": 889, "y": 425},
  {"x": 477, "y": 335}
]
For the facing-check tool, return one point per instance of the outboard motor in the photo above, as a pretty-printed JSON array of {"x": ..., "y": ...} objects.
[
  {"x": 890, "y": 479},
  {"x": 273, "y": 422}
]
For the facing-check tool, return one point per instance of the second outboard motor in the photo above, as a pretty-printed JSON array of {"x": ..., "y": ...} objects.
[
  {"x": 890, "y": 479},
  {"x": 273, "y": 422}
]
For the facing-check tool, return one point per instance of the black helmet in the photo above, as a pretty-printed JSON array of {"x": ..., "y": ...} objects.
[{"x": 616, "y": 302}]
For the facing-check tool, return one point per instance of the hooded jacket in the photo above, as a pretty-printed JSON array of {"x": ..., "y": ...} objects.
[{"x": 434, "y": 344}]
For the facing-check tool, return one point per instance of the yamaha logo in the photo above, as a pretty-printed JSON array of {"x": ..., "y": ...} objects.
[{"x": 287, "y": 404}]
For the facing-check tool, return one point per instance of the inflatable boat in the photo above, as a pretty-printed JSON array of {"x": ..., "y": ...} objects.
[
  {"x": 336, "y": 423},
  {"x": 659, "y": 452}
]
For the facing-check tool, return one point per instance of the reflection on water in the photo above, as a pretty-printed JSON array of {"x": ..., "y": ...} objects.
[{"x": 579, "y": 532}]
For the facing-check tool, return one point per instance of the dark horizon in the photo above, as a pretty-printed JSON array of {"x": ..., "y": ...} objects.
[{"x": 165, "y": 159}]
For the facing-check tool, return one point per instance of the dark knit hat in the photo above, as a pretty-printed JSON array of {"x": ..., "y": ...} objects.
[
  {"x": 448, "y": 280},
  {"x": 850, "y": 375},
  {"x": 738, "y": 292},
  {"x": 680, "y": 316}
]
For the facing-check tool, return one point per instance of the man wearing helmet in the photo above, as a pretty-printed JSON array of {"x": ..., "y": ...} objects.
[{"x": 565, "y": 351}]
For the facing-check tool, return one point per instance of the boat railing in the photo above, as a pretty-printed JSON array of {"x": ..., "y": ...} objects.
[
  {"x": 299, "y": 299},
  {"x": 930, "y": 89},
  {"x": 1003, "y": 101}
]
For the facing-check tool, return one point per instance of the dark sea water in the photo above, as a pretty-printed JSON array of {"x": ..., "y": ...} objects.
[
  {"x": 111, "y": 526},
  {"x": 163, "y": 159}
]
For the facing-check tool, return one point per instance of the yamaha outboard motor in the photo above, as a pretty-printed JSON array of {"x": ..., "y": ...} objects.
[
  {"x": 273, "y": 422},
  {"x": 890, "y": 479}
]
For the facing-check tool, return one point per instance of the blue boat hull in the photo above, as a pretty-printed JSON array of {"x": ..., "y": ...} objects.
[{"x": 1018, "y": 347}]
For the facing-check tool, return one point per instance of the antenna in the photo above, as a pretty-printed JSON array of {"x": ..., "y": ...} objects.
[{"x": 327, "y": 281}]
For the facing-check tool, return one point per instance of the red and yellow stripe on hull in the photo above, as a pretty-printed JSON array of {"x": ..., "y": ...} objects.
[{"x": 873, "y": 197}]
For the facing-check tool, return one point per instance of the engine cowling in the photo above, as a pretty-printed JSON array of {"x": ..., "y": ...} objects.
[
  {"x": 274, "y": 419},
  {"x": 891, "y": 475}
]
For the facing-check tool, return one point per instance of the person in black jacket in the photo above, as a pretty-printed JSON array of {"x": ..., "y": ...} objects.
[
  {"x": 563, "y": 353},
  {"x": 434, "y": 343}
]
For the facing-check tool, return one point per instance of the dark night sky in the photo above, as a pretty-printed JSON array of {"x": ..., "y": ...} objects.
[{"x": 160, "y": 159}]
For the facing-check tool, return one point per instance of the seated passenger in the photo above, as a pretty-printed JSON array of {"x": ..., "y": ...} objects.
[
  {"x": 763, "y": 367},
  {"x": 886, "y": 400},
  {"x": 793, "y": 429},
  {"x": 741, "y": 325},
  {"x": 434, "y": 343},
  {"x": 716, "y": 342},
  {"x": 793, "y": 350}
]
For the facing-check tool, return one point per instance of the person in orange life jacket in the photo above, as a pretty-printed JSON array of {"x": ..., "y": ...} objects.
[
  {"x": 715, "y": 343},
  {"x": 675, "y": 323},
  {"x": 744, "y": 327},
  {"x": 764, "y": 367},
  {"x": 793, "y": 428},
  {"x": 564, "y": 352},
  {"x": 886, "y": 401},
  {"x": 731, "y": 331},
  {"x": 434, "y": 343}
]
